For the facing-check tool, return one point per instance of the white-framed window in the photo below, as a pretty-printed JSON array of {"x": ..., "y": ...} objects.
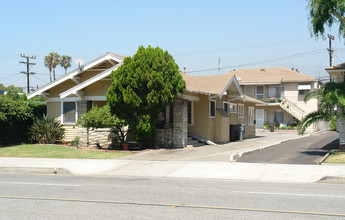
[
  {"x": 212, "y": 110},
  {"x": 241, "y": 110},
  {"x": 233, "y": 107},
  {"x": 250, "y": 115},
  {"x": 69, "y": 112},
  {"x": 190, "y": 114},
  {"x": 249, "y": 91},
  {"x": 226, "y": 107},
  {"x": 260, "y": 92}
]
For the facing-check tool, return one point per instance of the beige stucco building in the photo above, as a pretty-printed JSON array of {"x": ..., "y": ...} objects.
[{"x": 283, "y": 92}]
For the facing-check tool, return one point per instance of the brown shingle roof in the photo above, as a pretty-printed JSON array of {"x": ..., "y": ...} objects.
[
  {"x": 337, "y": 67},
  {"x": 213, "y": 84},
  {"x": 269, "y": 75}
]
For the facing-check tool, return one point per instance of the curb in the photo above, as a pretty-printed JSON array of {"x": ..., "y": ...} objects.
[
  {"x": 236, "y": 156},
  {"x": 34, "y": 170}
]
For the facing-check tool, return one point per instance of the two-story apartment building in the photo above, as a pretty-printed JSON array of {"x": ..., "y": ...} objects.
[{"x": 282, "y": 90}]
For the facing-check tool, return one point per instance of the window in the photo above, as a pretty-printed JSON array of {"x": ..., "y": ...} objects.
[
  {"x": 279, "y": 117},
  {"x": 259, "y": 92},
  {"x": 240, "y": 110},
  {"x": 69, "y": 112},
  {"x": 190, "y": 109},
  {"x": 302, "y": 92},
  {"x": 226, "y": 107},
  {"x": 212, "y": 108},
  {"x": 250, "y": 115},
  {"x": 233, "y": 107},
  {"x": 248, "y": 90},
  {"x": 89, "y": 105},
  {"x": 276, "y": 91}
]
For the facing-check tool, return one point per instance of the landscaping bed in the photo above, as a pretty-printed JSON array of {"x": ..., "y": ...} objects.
[
  {"x": 58, "y": 151},
  {"x": 335, "y": 157}
]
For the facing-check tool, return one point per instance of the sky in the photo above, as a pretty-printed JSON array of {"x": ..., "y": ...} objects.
[{"x": 200, "y": 35}]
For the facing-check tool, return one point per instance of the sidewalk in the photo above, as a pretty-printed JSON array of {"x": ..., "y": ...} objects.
[{"x": 282, "y": 173}]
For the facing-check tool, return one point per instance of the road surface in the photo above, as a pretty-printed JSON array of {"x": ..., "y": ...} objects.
[{"x": 76, "y": 197}]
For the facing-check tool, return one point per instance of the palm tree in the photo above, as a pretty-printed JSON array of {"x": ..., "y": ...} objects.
[
  {"x": 65, "y": 62},
  {"x": 330, "y": 95},
  {"x": 51, "y": 61},
  {"x": 48, "y": 63},
  {"x": 55, "y": 61}
]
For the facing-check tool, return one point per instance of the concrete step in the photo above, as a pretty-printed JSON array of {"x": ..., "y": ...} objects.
[
  {"x": 195, "y": 145},
  {"x": 192, "y": 142}
]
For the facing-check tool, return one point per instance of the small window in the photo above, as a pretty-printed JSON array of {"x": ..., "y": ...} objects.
[
  {"x": 259, "y": 92},
  {"x": 69, "y": 112},
  {"x": 212, "y": 108},
  {"x": 240, "y": 110},
  {"x": 250, "y": 115},
  {"x": 248, "y": 90},
  {"x": 302, "y": 92},
  {"x": 190, "y": 113},
  {"x": 226, "y": 107},
  {"x": 89, "y": 105},
  {"x": 233, "y": 107}
]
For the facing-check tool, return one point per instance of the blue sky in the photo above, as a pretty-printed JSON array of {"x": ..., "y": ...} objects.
[{"x": 243, "y": 34}]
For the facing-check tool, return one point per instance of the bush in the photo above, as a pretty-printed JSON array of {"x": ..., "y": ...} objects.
[
  {"x": 47, "y": 131},
  {"x": 75, "y": 141},
  {"x": 333, "y": 124}
]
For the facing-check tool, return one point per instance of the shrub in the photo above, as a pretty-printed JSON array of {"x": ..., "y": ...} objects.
[
  {"x": 333, "y": 124},
  {"x": 75, "y": 141},
  {"x": 47, "y": 131}
]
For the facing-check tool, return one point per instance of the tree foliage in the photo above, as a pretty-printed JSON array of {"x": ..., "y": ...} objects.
[
  {"x": 329, "y": 96},
  {"x": 16, "y": 117},
  {"x": 326, "y": 13},
  {"x": 65, "y": 62},
  {"x": 141, "y": 87},
  {"x": 100, "y": 117}
]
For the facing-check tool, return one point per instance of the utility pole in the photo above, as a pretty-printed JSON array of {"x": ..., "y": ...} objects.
[
  {"x": 331, "y": 37},
  {"x": 28, "y": 64},
  {"x": 218, "y": 65}
]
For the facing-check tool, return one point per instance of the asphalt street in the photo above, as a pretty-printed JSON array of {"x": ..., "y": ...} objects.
[
  {"x": 307, "y": 150},
  {"x": 75, "y": 197}
]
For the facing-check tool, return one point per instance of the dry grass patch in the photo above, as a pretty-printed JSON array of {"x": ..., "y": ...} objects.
[{"x": 337, "y": 157}]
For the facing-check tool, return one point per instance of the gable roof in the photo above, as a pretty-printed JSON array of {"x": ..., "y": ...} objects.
[
  {"x": 212, "y": 84},
  {"x": 273, "y": 75},
  {"x": 108, "y": 56}
]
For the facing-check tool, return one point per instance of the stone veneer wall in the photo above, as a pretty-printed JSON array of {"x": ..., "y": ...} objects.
[
  {"x": 102, "y": 136},
  {"x": 164, "y": 138},
  {"x": 180, "y": 129}
]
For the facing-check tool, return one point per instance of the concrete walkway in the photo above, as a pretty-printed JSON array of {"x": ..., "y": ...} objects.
[
  {"x": 200, "y": 164},
  {"x": 224, "y": 152},
  {"x": 177, "y": 169}
]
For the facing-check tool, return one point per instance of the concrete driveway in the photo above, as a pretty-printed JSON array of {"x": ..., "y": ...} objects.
[
  {"x": 219, "y": 153},
  {"x": 307, "y": 150}
]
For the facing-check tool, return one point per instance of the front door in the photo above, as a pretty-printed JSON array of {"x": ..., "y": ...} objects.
[{"x": 260, "y": 118}]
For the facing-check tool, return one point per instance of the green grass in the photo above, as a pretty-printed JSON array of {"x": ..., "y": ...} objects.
[
  {"x": 57, "y": 151},
  {"x": 338, "y": 157}
]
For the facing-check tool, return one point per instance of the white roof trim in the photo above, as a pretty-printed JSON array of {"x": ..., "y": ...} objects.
[
  {"x": 88, "y": 82},
  {"x": 304, "y": 87},
  {"x": 70, "y": 75},
  {"x": 233, "y": 80}
]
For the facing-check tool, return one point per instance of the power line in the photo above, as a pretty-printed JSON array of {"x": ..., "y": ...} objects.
[
  {"x": 264, "y": 61},
  {"x": 28, "y": 64}
]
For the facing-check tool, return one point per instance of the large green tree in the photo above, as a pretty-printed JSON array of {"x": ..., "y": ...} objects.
[
  {"x": 141, "y": 87},
  {"x": 65, "y": 62},
  {"x": 326, "y": 13}
]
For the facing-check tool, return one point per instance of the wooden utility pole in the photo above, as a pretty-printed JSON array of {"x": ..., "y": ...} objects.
[
  {"x": 331, "y": 37},
  {"x": 28, "y": 64}
]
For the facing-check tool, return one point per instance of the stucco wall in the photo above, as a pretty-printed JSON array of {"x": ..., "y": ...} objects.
[{"x": 99, "y": 88}]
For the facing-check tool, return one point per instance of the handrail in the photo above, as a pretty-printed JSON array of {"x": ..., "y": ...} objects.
[{"x": 287, "y": 104}]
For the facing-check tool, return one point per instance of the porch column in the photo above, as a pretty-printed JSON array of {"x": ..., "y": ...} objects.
[
  {"x": 341, "y": 129},
  {"x": 180, "y": 130}
]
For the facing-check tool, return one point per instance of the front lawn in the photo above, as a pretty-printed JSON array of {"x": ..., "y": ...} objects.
[
  {"x": 57, "y": 151},
  {"x": 337, "y": 157}
]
